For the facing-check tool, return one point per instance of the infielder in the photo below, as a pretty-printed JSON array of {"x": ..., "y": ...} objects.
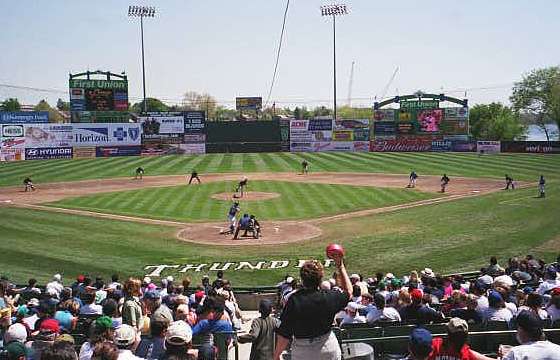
[
  {"x": 304, "y": 167},
  {"x": 542, "y": 184},
  {"x": 231, "y": 217},
  {"x": 28, "y": 184},
  {"x": 194, "y": 175},
  {"x": 444, "y": 182},
  {"x": 139, "y": 173},
  {"x": 241, "y": 187},
  {"x": 412, "y": 180},
  {"x": 509, "y": 182}
]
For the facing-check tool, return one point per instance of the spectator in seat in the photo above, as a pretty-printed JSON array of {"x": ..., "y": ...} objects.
[
  {"x": 531, "y": 337},
  {"x": 16, "y": 351},
  {"x": 352, "y": 316},
  {"x": 496, "y": 309},
  {"x": 60, "y": 351},
  {"x": 48, "y": 332},
  {"x": 356, "y": 294},
  {"x": 309, "y": 314},
  {"x": 55, "y": 286},
  {"x": 125, "y": 338},
  {"x": 67, "y": 315},
  {"x": 153, "y": 346},
  {"x": 419, "y": 344},
  {"x": 381, "y": 312},
  {"x": 494, "y": 269},
  {"x": 367, "y": 303},
  {"x": 553, "y": 308},
  {"x": 111, "y": 309},
  {"x": 262, "y": 334},
  {"x": 550, "y": 281},
  {"x": 468, "y": 313},
  {"x": 455, "y": 347},
  {"x": 534, "y": 304},
  {"x": 105, "y": 351},
  {"x": 178, "y": 344},
  {"x": 156, "y": 308},
  {"x": 90, "y": 307},
  {"x": 418, "y": 312},
  {"x": 100, "y": 331}
]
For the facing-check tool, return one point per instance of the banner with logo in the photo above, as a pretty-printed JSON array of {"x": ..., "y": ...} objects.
[
  {"x": 195, "y": 122},
  {"x": 10, "y": 131},
  {"x": 343, "y": 135},
  {"x": 537, "y": 147},
  {"x": 49, "y": 153},
  {"x": 441, "y": 145},
  {"x": 384, "y": 128},
  {"x": 12, "y": 149},
  {"x": 49, "y": 135},
  {"x": 401, "y": 145},
  {"x": 384, "y": 115},
  {"x": 346, "y": 146},
  {"x": 301, "y": 146},
  {"x": 113, "y": 151},
  {"x": 457, "y": 113},
  {"x": 189, "y": 149},
  {"x": 24, "y": 117},
  {"x": 116, "y": 134},
  {"x": 361, "y": 146},
  {"x": 463, "y": 146},
  {"x": 488, "y": 147},
  {"x": 84, "y": 152}
]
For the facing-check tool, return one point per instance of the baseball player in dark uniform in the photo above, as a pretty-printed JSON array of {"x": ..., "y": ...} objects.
[
  {"x": 28, "y": 184},
  {"x": 509, "y": 182},
  {"x": 139, "y": 173},
  {"x": 542, "y": 184},
  {"x": 412, "y": 180},
  {"x": 241, "y": 187},
  {"x": 444, "y": 182},
  {"x": 304, "y": 167},
  {"x": 194, "y": 175}
]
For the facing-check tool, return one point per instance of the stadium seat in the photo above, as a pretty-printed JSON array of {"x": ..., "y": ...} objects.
[
  {"x": 397, "y": 346},
  {"x": 362, "y": 332},
  {"x": 493, "y": 341}
]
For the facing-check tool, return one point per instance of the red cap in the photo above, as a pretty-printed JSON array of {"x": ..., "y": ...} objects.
[
  {"x": 555, "y": 291},
  {"x": 80, "y": 278},
  {"x": 416, "y": 294},
  {"x": 50, "y": 325},
  {"x": 199, "y": 295}
]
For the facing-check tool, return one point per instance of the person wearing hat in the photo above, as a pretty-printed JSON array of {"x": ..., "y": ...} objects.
[
  {"x": 100, "y": 331},
  {"x": 550, "y": 281},
  {"x": 530, "y": 335},
  {"x": 309, "y": 314},
  {"x": 61, "y": 350},
  {"x": 497, "y": 310},
  {"x": 178, "y": 343},
  {"x": 381, "y": 312},
  {"x": 16, "y": 351},
  {"x": 125, "y": 339},
  {"x": 352, "y": 315},
  {"x": 455, "y": 345},
  {"x": 153, "y": 346},
  {"x": 16, "y": 332},
  {"x": 553, "y": 308},
  {"x": 261, "y": 334},
  {"x": 155, "y": 307},
  {"x": 419, "y": 344},
  {"x": 55, "y": 285},
  {"x": 417, "y": 311},
  {"x": 48, "y": 332}
]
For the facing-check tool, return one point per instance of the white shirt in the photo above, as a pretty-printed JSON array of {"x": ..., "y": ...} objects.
[
  {"x": 482, "y": 304},
  {"x": 86, "y": 351},
  {"x": 54, "y": 286},
  {"x": 91, "y": 309},
  {"x": 358, "y": 319},
  {"x": 511, "y": 307},
  {"x": 553, "y": 312},
  {"x": 538, "y": 350},
  {"x": 502, "y": 314},
  {"x": 547, "y": 285},
  {"x": 388, "y": 314},
  {"x": 542, "y": 313},
  {"x": 128, "y": 355}
]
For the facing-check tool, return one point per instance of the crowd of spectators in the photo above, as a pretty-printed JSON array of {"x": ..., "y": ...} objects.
[{"x": 139, "y": 319}]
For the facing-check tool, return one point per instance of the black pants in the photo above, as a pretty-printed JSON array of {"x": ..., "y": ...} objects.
[{"x": 194, "y": 177}]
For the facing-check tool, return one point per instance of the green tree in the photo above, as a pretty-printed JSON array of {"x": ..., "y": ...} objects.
[
  {"x": 193, "y": 100},
  {"x": 538, "y": 95},
  {"x": 11, "y": 104},
  {"x": 153, "y": 105},
  {"x": 54, "y": 115},
  {"x": 347, "y": 112},
  {"x": 496, "y": 122}
]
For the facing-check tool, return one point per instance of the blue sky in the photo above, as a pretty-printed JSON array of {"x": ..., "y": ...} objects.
[{"x": 227, "y": 48}]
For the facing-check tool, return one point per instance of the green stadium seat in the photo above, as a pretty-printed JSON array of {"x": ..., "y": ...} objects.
[
  {"x": 493, "y": 341},
  {"x": 362, "y": 332},
  {"x": 397, "y": 346}
]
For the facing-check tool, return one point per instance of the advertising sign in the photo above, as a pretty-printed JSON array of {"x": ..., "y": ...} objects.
[
  {"x": 107, "y": 134},
  {"x": 343, "y": 135},
  {"x": 111, "y": 151},
  {"x": 195, "y": 122},
  {"x": 100, "y": 117},
  {"x": 98, "y": 95},
  {"x": 419, "y": 104},
  {"x": 301, "y": 146},
  {"x": 248, "y": 103},
  {"x": 384, "y": 128},
  {"x": 189, "y": 149},
  {"x": 430, "y": 120},
  {"x": 49, "y": 135},
  {"x": 361, "y": 134},
  {"x": 401, "y": 145},
  {"x": 361, "y": 146},
  {"x": 346, "y": 146},
  {"x": 12, "y": 149},
  {"x": 24, "y": 117},
  {"x": 194, "y": 138},
  {"x": 84, "y": 152},
  {"x": 162, "y": 126},
  {"x": 12, "y": 131},
  {"x": 351, "y": 124},
  {"x": 454, "y": 127},
  {"x": 456, "y": 113},
  {"x": 384, "y": 115},
  {"x": 320, "y": 125},
  {"x": 407, "y": 115},
  {"x": 538, "y": 147},
  {"x": 488, "y": 147},
  {"x": 48, "y": 153},
  {"x": 441, "y": 145},
  {"x": 464, "y": 146}
]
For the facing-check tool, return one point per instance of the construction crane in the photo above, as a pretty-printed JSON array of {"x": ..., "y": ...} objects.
[
  {"x": 350, "y": 84},
  {"x": 386, "y": 88}
]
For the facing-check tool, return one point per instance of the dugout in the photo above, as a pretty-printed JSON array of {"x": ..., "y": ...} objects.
[{"x": 243, "y": 136}]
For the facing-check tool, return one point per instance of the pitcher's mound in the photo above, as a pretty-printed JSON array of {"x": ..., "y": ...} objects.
[{"x": 248, "y": 196}]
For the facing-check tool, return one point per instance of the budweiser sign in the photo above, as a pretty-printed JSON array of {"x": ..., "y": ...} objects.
[{"x": 402, "y": 145}]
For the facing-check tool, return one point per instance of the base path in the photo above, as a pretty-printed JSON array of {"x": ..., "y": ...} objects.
[{"x": 275, "y": 232}]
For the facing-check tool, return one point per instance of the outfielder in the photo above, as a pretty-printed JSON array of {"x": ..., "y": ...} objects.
[
  {"x": 542, "y": 184},
  {"x": 139, "y": 173},
  {"x": 412, "y": 180},
  {"x": 28, "y": 184},
  {"x": 444, "y": 182},
  {"x": 241, "y": 187},
  {"x": 194, "y": 175}
]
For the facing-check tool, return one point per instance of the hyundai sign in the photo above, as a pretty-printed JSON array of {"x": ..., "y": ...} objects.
[{"x": 48, "y": 153}]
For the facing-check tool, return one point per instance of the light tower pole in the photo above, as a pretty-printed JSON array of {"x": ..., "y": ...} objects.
[
  {"x": 142, "y": 12},
  {"x": 334, "y": 11}
]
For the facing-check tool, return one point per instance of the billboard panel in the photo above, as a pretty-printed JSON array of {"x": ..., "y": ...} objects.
[
  {"x": 320, "y": 125},
  {"x": 538, "y": 147},
  {"x": 343, "y": 135},
  {"x": 489, "y": 147},
  {"x": 12, "y": 149},
  {"x": 401, "y": 145},
  {"x": 163, "y": 127},
  {"x": 84, "y": 152},
  {"x": 384, "y": 128},
  {"x": 24, "y": 117},
  {"x": 112, "y": 151},
  {"x": 98, "y": 95},
  {"x": 346, "y": 146},
  {"x": 107, "y": 134},
  {"x": 351, "y": 124},
  {"x": 193, "y": 148},
  {"x": 301, "y": 146},
  {"x": 49, "y": 135},
  {"x": 361, "y": 146},
  {"x": 430, "y": 120},
  {"x": 407, "y": 127},
  {"x": 194, "y": 138},
  {"x": 13, "y": 130},
  {"x": 46, "y": 153},
  {"x": 464, "y": 146},
  {"x": 384, "y": 115},
  {"x": 457, "y": 113},
  {"x": 441, "y": 145},
  {"x": 248, "y": 103},
  {"x": 195, "y": 122}
]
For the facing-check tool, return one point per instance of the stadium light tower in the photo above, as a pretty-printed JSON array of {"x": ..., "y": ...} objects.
[
  {"x": 334, "y": 11},
  {"x": 142, "y": 12}
]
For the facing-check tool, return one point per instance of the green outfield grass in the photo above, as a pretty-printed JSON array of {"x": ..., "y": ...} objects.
[
  {"x": 194, "y": 203},
  {"x": 521, "y": 166},
  {"x": 448, "y": 237}
]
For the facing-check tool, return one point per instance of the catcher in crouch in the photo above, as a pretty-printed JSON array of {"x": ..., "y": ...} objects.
[{"x": 240, "y": 189}]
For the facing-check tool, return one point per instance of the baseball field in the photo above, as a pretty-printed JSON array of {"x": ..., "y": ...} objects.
[{"x": 91, "y": 216}]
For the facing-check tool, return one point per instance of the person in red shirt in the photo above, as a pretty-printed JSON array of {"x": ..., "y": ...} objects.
[{"x": 455, "y": 347}]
